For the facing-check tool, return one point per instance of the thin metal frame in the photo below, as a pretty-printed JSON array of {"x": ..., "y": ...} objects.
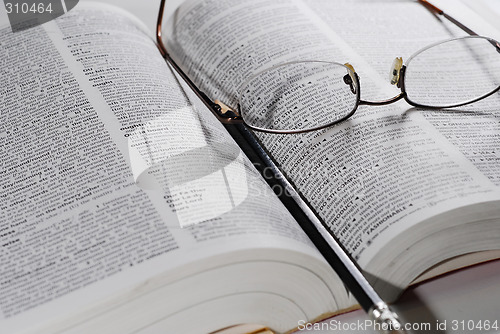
[{"x": 229, "y": 116}]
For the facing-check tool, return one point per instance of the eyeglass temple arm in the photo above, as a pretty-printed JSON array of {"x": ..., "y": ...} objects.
[
  {"x": 223, "y": 114},
  {"x": 439, "y": 11},
  {"x": 159, "y": 22}
]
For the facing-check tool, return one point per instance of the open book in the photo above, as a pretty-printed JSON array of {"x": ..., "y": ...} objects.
[{"x": 127, "y": 208}]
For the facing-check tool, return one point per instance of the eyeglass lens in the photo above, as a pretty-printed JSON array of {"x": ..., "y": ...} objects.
[
  {"x": 299, "y": 96},
  {"x": 454, "y": 72}
]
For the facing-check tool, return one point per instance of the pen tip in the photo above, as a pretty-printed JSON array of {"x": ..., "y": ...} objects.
[{"x": 386, "y": 321}]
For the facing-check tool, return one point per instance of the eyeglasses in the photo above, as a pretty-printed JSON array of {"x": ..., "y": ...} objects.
[{"x": 304, "y": 96}]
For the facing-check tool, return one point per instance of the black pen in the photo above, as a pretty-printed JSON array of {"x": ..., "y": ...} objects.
[{"x": 385, "y": 320}]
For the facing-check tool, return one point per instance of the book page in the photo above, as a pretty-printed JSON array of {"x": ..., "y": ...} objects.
[
  {"x": 84, "y": 211},
  {"x": 385, "y": 169}
]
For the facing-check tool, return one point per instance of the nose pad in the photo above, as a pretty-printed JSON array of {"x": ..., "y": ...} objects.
[
  {"x": 397, "y": 64},
  {"x": 349, "y": 78},
  {"x": 348, "y": 81}
]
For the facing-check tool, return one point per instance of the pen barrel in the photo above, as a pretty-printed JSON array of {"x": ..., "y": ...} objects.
[
  {"x": 384, "y": 318},
  {"x": 333, "y": 252}
]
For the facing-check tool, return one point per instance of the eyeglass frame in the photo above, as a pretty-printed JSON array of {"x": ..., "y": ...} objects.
[{"x": 228, "y": 116}]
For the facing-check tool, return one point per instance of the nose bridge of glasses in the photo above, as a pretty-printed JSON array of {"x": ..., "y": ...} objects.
[
  {"x": 397, "y": 70},
  {"x": 395, "y": 77},
  {"x": 384, "y": 102}
]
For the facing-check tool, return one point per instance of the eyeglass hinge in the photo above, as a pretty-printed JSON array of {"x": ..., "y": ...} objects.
[{"x": 226, "y": 112}]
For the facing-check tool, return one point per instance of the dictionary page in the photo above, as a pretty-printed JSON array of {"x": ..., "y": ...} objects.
[
  {"x": 385, "y": 170},
  {"x": 104, "y": 159}
]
